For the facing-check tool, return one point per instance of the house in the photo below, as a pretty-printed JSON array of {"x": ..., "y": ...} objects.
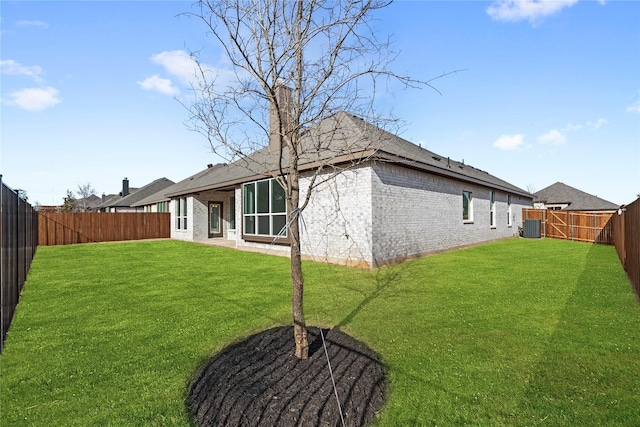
[
  {"x": 125, "y": 201},
  {"x": 88, "y": 204},
  {"x": 156, "y": 202},
  {"x": 396, "y": 201},
  {"x": 560, "y": 196}
]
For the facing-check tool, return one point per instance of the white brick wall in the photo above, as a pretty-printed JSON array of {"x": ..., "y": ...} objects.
[
  {"x": 418, "y": 213},
  {"x": 374, "y": 214},
  {"x": 338, "y": 220}
]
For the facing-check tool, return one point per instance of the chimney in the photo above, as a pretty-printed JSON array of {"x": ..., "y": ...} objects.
[
  {"x": 125, "y": 187},
  {"x": 104, "y": 197},
  {"x": 284, "y": 103}
]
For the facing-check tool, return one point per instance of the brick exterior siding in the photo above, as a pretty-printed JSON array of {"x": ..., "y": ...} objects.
[
  {"x": 374, "y": 214},
  {"x": 416, "y": 213}
]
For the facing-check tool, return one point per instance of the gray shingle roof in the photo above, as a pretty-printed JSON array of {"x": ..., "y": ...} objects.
[
  {"x": 339, "y": 139},
  {"x": 560, "y": 193},
  {"x": 159, "y": 196},
  {"x": 90, "y": 203},
  {"x": 138, "y": 195}
]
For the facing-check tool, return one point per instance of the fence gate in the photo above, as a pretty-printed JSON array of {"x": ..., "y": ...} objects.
[
  {"x": 594, "y": 227},
  {"x": 557, "y": 225}
]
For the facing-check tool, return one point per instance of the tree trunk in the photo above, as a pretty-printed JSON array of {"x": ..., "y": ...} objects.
[{"x": 299, "y": 326}]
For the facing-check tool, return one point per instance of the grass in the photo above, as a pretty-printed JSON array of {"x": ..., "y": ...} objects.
[{"x": 518, "y": 332}]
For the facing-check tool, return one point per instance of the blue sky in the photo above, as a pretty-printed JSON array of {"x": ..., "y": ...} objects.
[{"x": 550, "y": 91}]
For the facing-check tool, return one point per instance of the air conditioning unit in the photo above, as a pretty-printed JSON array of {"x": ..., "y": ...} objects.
[{"x": 531, "y": 229}]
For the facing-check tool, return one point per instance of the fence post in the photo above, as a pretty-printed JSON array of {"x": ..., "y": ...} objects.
[{"x": 571, "y": 224}]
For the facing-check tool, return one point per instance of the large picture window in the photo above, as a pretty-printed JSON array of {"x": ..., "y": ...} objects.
[
  {"x": 264, "y": 208},
  {"x": 467, "y": 206}
]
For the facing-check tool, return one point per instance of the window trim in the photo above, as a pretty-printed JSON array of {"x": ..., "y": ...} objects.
[
  {"x": 492, "y": 209},
  {"x": 255, "y": 237},
  {"x": 232, "y": 212},
  {"x": 181, "y": 213},
  {"x": 469, "y": 213}
]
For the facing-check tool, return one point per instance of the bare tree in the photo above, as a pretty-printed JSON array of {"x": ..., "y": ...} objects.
[
  {"x": 85, "y": 192},
  {"x": 294, "y": 64}
]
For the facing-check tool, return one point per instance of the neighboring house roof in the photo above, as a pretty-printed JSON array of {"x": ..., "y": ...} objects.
[
  {"x": 108, "y": 199},
  {"x": 92, "y": 202},
  {"x": 560, "y": 194},
  {"x": 159, "y": 196},
  {"x": 137, "y": 195},
  {"x": 338, "y": 139}
]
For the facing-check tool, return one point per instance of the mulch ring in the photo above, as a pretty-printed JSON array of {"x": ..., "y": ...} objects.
[{"x": 259, "y": 382}]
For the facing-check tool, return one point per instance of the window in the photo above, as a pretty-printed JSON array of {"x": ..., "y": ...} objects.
[
  {"x": 509, "y": 219},
  {"x": 181, "y": 213},
  {"x": 264, "y": 208},
  {"x": 232, "y": 213},
  {"x": 162, "y": 207},
  {"x": 492, "y": 208},
  {"x": 467, "y": 206}
]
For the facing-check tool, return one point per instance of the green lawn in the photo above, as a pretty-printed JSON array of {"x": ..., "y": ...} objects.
[{"x": 518, "y": 332}]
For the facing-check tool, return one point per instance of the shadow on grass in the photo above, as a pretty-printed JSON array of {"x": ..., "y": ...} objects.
[
  {"x": 586, "y": 375},
  {"x": 385, "y": 278}
]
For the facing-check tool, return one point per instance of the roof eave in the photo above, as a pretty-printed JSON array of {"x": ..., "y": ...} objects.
[
  {"x": 355, "y": 158},
  {"x": 413, "y": 164}
]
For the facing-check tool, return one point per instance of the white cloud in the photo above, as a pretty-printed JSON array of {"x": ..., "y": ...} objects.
[
  {"x": 158, "y": 84},
  {"x": 35, "y": 99},
  {"x": 181, "y": 65},
  {"x": 570, "y": 127},
  {"x": 597, "y": 124},
  {"x": 634, "y": 108},
  {"x": 529, "y": 10},
  {"x": 178, "y": 63},
  {"x": 509, "y": 142},
  {"x": 553, "y": 137},
  {"x": 590, "y": 125},
  {"x": 14, "y": 68},
  {"x": 26, "y": 23}
]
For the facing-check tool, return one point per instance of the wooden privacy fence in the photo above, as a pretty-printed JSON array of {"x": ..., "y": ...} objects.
[
  {"x": 91, "y": 227},
  {"x": 594, "y": 227},
  {"x": 626, "y": 237}
]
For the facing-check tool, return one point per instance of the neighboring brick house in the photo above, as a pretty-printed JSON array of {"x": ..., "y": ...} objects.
[
  {"x": 560, "y": 196},
  {"x": 399, "y": 201}
]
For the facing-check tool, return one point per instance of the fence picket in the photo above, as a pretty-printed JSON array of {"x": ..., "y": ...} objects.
[
  {"x": 594, "y": 227},
  {"x": 90, "y": 227}
]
